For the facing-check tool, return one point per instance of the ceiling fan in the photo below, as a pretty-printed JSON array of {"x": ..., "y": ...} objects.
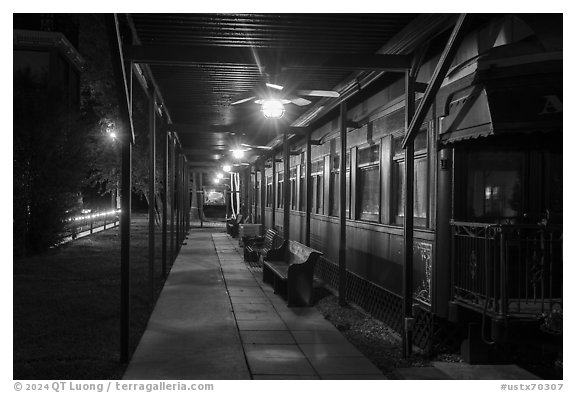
[{"x": 273, "y": 91}]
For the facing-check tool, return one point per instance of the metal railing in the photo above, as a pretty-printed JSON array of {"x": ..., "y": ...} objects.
[
  {"x": 89, "y": 222},
  {"x": 507, "y": 270}
]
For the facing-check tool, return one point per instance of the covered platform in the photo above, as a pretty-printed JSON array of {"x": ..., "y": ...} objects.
[{"x": 215, "y": 319}]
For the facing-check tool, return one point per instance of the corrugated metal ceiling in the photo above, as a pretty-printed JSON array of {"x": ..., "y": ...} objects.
[{"x": 201, "y": 94}]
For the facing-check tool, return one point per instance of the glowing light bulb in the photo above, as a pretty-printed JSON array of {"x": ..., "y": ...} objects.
[
  {"x": 237, "y": 153},
  {"x": 273, "y": 109}
]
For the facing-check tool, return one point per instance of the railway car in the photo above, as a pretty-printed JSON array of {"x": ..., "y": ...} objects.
[{"x": 487, "y": 269}]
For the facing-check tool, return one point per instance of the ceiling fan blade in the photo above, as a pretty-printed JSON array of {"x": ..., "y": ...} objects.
[
  {"x": 300, "y": 101},
  {"x": 256, "y": 146},
  {"x": 274, "y": 86},
  {"x": 242, "y": 100},
  {"x": 319, "y": 93}
]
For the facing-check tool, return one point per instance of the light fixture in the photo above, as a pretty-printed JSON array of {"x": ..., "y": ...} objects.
[
  {"x": 237, "y": 153},
  {"x": 216, "y": 180},
  {"x": 226, "y": 168},
  {"x": 112, "y": 135},
  {"x": 273, "y": 109},
  {"x": 219, "y": 176}
]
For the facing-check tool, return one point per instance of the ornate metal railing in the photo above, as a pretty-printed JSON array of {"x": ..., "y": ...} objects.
[{"x": 507, "y": 270}]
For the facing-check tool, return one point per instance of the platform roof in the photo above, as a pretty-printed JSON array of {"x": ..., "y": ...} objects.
[{"x": 201, "y": 63}]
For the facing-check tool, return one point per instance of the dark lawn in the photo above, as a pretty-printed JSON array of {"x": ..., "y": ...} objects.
[{"x": 67, "y": 306}]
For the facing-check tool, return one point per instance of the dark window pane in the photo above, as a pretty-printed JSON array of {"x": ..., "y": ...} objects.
[
  {"x": 335, "y": 195},
  {"x": 369, "y": 155},
  {"x": 303, "y": 193},
  {"x": 494, "y": 190},
  {"x": 369, "y": 193},
  {"x": 320, "y": 194},
  {"x": 420, "y": 188},
  {"x": 293, "y": 196}
]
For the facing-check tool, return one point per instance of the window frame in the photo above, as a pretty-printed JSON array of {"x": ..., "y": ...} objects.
[
  {"x": 374, "y": 162},
  {"x": 398, "y": 158}
]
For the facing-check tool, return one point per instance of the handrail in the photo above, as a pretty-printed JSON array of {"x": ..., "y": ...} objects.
[{"x": 507, "y": 270}]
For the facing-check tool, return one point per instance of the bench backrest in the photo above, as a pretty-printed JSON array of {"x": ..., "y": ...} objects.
[
  {"x": 297, "y": 253},
  {"x": 269, "y": 238}
]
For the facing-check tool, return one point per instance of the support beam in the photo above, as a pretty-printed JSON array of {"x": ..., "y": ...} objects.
[
  {"x": 308, "y": 187},
  {"x": 183, "y": 128},
  {"x": 286, "y": 190},
  {"x": 188, "y": 54},
  {"x": 151, "y": 193},
  {"x": 407, "y": 271},
  {"x": 165, "y": 158},
  {"x": 274, "y": 192},
  {"x": 126, "y": 138},
  {"x": 342, "y": 248},
  {"x": 413, "y": 121},
  {"x": 208, "y": 151},
  {"x": 437, "y": 77},
  {"x": 263, "y": 195},
  {"x": 171, "y": 181}
]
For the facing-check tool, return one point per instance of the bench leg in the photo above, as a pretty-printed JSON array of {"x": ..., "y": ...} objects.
[
  {"x": 267, "y": 275},
  {"x": 300, "y": 291}
]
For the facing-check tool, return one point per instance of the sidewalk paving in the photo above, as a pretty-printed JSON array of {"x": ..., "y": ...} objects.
[
  {"x": 191, "y": 333},
  {"x": 282, "y": 342},
  {"x": 215, "y": 319}
]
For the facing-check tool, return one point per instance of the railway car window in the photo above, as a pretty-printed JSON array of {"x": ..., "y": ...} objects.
[
  {"x": 302, "y": 195},
  {"x": 420, "y": 190},
  {"x": 421, "y": 180},
  {"x": 293, "y": 189},
  {"x": 318, "y": 187},
  {"x": 335, "y": 186},
  {"x": 368, "y": 192},
  {"x": 269, "y": 191},
  {"x": 493, "y": 191},
  {"x": 280, "y": 188}
]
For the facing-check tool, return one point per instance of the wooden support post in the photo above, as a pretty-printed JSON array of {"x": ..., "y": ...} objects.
[
  {"x": 125, "y": 208},
  {"x": 308, "y": 186},
  {"x": 165, "y": 159},
  {"x": 151, "y": 194},
  {"x": 413, "y": 121},
  {"x": 256, "y": 190},
  {"x": 273, "y": 225},
  {"x": 263, "y": 195},
  {"x": 178, "y": 189},
  {"x": 286, "y": 187},
  {"x": 126, "y": 139},
  {"x": 342, "y": 248},
  {"x": 407, "y": 271},
  {"x": 171, "y": 180}
]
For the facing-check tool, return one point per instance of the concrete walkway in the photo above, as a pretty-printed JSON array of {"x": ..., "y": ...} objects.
[
  {"x": 215, "y": 319},
  {"x": 192, "y": 332}
]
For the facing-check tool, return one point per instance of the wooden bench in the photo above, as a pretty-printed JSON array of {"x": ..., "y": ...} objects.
[
  {"x": 291, "y": 268},
  {"x": 257, "y": 247},
  {"x": 232, "y": 225}
]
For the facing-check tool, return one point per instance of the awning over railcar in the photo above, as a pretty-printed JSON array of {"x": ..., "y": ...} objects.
[{"x": 504, "y": 102}]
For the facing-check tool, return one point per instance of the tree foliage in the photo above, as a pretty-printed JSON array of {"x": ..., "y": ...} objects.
[
  {"x": 49, "y": 162},
  {"x": 99, "y": 103}
]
